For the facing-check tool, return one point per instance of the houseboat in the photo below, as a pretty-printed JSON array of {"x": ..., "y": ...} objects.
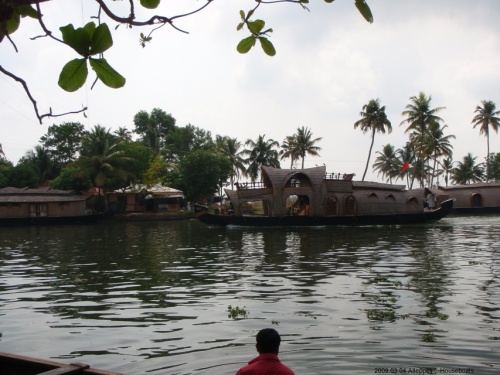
[
  {"x": 12, "y": 364},
  {"x": 27, "y": 206},
  {"x": 472, "y": 199},
  {"x": 312, "y": 197}
]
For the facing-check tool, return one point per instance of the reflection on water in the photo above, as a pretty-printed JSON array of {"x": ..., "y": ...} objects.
[{"x": 153, "y": 298}]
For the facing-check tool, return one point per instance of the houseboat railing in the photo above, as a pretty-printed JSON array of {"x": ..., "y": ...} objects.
[
  {"x": 262, "y": 185},
  {"x": 340, "y": 176},
  {"x": 250, "y": 185}
]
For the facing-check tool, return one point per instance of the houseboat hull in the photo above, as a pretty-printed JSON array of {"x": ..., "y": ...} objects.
[
  {"x": 49, "y": 220},
  {"x": 12, "y": 364},
  {"x": 309, "y": 221}
]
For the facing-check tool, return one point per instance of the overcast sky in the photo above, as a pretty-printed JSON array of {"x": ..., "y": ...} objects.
[{"x": 329, "y": 63}]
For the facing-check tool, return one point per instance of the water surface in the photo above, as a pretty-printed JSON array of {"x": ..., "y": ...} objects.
[{"x": 153, "y": 298}]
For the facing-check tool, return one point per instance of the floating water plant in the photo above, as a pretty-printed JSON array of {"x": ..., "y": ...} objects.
[{"x": 236, "y": 312}]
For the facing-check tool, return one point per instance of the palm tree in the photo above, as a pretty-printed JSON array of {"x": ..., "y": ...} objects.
[
  {"x": 374, "y": 119},
  {"x": 304, "y": 144},
  {"x": 262, "y": 152},
  {"x": 405, "y": 155},
  {"x": 437, "y": 145},
  {"x": 102, "y": 160},
  {"x": 40, "y": 160},
  {"x": 468, "y": 171},
  {"x": 229, "y": 147},
  {"x": 386, "y": 163},
  {"x": 123, "y": 133},
  {"x": 288, "y": 149},
  {"x": 419, "y": 116},
  {"x": 446, "y": 169},
  {"x": 486, "y": 117}
]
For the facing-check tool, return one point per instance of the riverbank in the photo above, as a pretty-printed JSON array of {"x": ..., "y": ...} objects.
[{"x": 151, "y": 216}]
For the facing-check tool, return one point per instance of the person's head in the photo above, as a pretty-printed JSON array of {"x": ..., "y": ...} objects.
[{"x": 268, "y": 341}]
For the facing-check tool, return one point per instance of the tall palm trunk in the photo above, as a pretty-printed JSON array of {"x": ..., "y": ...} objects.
[
  {"x": 487, "y": 153},
  {"x": 369, "y": 154}
]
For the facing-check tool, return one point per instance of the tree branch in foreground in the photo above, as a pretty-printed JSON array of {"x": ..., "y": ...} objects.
[{"x": 33, "y": 101}]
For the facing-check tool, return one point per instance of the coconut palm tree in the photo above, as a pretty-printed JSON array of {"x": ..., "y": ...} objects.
[
  {"x": 230, "y": 148},
  {"x": 419, "y": 116},
  {"x": 405, "y": 155},
  {"x": 437, "y": 145},
  {"x": 305, "y": 145},
  {"x": 486, "y": 117},
  {"x": 374, "y": 120},
  {"x": 40, "y": 160},
  {"x": 123, "y": 133},
  {"x": 447, "y": 166},
  {"x": 102, "y": 160},
  {"x": 288, "y": 149},
  {"x": 387, "y": 163},
  {"x": 261, "y": 152},
  {"x": 468, "y": 171}
]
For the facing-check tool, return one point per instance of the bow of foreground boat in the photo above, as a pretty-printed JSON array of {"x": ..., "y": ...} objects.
[{"x": 14, "y": 364}]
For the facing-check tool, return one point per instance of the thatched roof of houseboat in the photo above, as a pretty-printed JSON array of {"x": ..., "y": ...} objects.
[
  {"x": 278, "y": 177},
  {"x": 42, "y": 195},
  {"x": 479, "y": 185},
  {"x": 376, "y": 186}
]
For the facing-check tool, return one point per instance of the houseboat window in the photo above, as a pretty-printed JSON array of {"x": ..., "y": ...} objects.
[
  {"x": 350, "y": 205},
  {"x": 297, "y": 205},
  {"x": 38, "y": 209},
  {"x": 331, "y": 206},
  {"x": 412, "y": 201},
  {"x": 298, "y": 180},
  {"x": 372, "y": 196},
  {"x": 255, "y": 208},
  {"x": 390, "y": 197},
  {"x": 477, "y": 200}
]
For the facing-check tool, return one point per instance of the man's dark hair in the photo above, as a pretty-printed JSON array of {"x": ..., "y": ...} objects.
[{"x": 268, "y": 341}]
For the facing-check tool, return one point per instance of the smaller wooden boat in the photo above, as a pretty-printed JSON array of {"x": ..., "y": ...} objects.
[
  {"x": 12, "y": 364},
  {"x": 472, "y": 199}
]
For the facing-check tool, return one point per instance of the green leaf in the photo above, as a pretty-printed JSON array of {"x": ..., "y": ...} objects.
[
  {"x": 267, "y": 46},
  {"x": 73, "y": 75},
  {"x": 13, "y": 23},
  {"x": 329, "y": 1},
  {"x": 246, "y": 44},
  {"x": 364, "y": 9},
  {"x": 150, "y": 4},
  {"x": 107, "y": 74},
  {"x": 240, "y": 26},
  {"x": 101, "y": 39},
  {"x": 242, "y": 15},
  {"x": 78, "y": 39},
  {"x": 27, "y": 11},
  {"x": 256, "y": 26}
]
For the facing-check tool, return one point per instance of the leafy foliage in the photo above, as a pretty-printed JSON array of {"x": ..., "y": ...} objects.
[
  {"x": 202, "y": 173},
  {"x": 88, "y": 41},
  {"x": 72, "y": 178},
  {"x": 63, "y": 142}
]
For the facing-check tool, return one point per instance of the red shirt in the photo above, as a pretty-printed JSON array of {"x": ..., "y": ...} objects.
[{"x": 265, "y": 364}]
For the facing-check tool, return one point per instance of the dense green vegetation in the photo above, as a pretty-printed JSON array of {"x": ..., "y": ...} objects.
[{"x": 192, "y": 160}]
